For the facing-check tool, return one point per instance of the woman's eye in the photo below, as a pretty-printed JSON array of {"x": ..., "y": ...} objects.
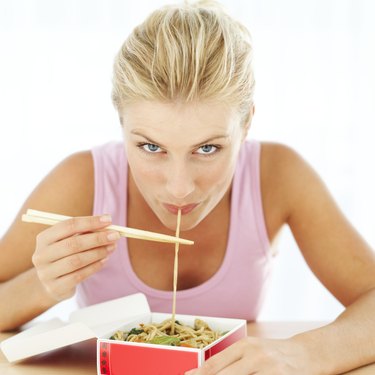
[
  {"x": 151, "y": 148},
  {"x": 207, "y": 149}
]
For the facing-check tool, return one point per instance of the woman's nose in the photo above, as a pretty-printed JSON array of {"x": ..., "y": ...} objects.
[{"x": 180, "y": 182}]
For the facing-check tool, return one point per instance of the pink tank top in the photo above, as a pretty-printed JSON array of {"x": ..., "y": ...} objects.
[{"x": 237, "y": 289}]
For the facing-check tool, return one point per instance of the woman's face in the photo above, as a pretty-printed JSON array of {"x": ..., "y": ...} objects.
[{"x": 181, "y": 156}]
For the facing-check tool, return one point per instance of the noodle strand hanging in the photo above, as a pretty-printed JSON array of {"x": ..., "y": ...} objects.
[
  {"x": 175, "y": 272},
  {"x": 170, "y": 331}
]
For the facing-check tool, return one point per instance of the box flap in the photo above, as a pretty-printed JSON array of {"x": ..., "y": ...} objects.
[
  {"x": 89, "y": 322},
  {"x": 111, "y": 312},
  {"x": 44, "y": 337}
]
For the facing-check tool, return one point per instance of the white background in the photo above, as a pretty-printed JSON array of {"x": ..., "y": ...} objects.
[{"x": 314, "y": 64}]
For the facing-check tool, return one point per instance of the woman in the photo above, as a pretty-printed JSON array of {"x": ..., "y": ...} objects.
[{"x": 183, "y": 88}]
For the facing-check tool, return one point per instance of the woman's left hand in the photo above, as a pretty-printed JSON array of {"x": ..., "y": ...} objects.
[{"x": 259, "y": 356}]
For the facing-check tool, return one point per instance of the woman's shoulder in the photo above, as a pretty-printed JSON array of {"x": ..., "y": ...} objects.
[
  {"x": 67, "y": 190},
  {"x": 281, "y": 164},
  {"x": 283, "y": 176},
  {"x": 279, "y": 161},
  {"x": 277, "y": 150},
  {"x": 271, "y": 152},
  {"x": 78, "y": 164},
  {"x": 78, "y": 161},
  {"x": 69, "y": 187}
]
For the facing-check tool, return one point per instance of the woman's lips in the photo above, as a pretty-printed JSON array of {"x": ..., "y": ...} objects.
[{"x": 184, "y": 209}]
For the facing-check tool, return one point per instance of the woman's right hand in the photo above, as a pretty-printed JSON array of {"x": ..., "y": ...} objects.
[{"x": 71, "y": 251}]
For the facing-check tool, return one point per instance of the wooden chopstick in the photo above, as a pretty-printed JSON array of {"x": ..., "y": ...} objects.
[{"x": 47, "y": 218}]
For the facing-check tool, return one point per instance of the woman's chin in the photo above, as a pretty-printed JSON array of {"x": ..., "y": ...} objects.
[{"x": 183, "y": 228}]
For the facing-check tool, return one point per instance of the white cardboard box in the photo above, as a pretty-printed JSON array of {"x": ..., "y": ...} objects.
[{"x": 117, "y": 357}]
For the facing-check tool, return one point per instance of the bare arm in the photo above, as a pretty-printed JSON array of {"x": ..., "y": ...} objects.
[
  {"x": 334, "y": 251},
  {"x": 342, "y": 261},
  {"x": 21, "y": 299},
  {"x": 346, "y": 343},
  {"x": 68, "y": 189}
]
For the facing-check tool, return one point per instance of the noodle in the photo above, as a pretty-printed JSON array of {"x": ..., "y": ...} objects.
[
  {"x": 175, "y": 271},
  {"x": 198, "y": 337}
]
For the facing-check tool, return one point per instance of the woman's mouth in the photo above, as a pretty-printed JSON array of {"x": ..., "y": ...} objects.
[{"x": 184, "y": 209}]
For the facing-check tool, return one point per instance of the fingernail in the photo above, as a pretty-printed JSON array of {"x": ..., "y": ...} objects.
[
  {"x": 111, "y": 248},
  {"x": 105, "y": 219},
  {"x": 113, "y": 236}
]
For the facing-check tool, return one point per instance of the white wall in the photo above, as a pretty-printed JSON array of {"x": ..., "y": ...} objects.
[{"x": 315, "y": 91}]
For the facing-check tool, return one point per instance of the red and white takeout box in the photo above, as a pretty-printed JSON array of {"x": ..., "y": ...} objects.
[{"x": 114, "y": 357}]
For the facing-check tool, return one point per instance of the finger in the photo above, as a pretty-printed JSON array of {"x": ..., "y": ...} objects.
[
  {"x": 64, "y": 286},
  {"x": 241, "y": 367},
  {"x": 80, "y": 243},
  {"x": 75, "y": 262},
  {"x": 70, "y": 227}
]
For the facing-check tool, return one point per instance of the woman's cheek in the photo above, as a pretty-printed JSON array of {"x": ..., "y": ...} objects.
[
  {"x": 150, "y": 172},
  {"x": 216, "y": 174}
]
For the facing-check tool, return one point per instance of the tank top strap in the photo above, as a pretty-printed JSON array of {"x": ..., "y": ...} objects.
[{"x": 110, "y": 181}]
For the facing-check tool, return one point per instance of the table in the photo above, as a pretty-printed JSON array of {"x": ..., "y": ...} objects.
[{"x": 80, "y": 359}]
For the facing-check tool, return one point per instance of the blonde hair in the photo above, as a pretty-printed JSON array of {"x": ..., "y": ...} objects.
[{"x": 186, "y": 52}]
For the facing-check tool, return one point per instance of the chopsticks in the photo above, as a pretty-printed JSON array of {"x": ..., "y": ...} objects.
[{"x": 47, "y": 218}]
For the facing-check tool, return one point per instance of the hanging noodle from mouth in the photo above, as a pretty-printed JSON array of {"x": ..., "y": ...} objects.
[
  {"x": 175, "y": 271},
  {"x": 170, "y": 331}
]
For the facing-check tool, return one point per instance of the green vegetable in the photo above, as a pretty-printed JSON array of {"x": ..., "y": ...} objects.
[
  {"x": 135, "y": 331},
  {"x": 165, "y": 340},
  {"x": 119, "y": 335}
]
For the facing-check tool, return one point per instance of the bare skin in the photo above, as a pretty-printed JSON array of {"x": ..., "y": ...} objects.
[{"x": 52, "y": 261}]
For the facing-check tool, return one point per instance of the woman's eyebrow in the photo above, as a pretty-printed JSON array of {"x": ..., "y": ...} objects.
[
  {"x": 209, "y": 140},
  {"x": 149, "y": 140},
  {"x": 214, "y": 138}
]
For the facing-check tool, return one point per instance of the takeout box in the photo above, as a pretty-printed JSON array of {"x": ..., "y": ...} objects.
[{"x": 114, "y": 357}]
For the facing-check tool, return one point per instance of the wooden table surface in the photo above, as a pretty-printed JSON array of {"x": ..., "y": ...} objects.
[{"x": 80, "y": 359}]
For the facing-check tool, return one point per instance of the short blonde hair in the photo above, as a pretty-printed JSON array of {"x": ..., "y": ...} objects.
[{"x": 186, "y": 52}]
